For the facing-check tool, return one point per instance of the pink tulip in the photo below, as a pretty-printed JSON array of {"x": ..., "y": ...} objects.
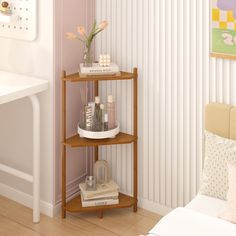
[
  {"x": 81, "y": 30},
  {"x": 70, "y": 35},
  {"x": 103, "y": 25}
]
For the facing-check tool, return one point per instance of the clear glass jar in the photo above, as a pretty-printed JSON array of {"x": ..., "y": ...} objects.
[
  {"x": 88, "y": 57},
  {"x": 90, "y": 183}
]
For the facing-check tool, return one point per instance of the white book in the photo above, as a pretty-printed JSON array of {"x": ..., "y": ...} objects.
[
  {"x": 101, "y": 202},
  {"x": 101, "y": 189},
  {"x": 96, "y": 69},
  {"x": 102, "y": 196}
]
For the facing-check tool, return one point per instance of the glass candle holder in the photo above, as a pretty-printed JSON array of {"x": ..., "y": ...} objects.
[{"x": 90, "y": 183}]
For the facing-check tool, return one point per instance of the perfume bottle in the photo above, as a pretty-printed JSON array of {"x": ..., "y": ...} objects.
[
  {"x": 97, "y": 121},
  {"x": 111, "y": 111}
]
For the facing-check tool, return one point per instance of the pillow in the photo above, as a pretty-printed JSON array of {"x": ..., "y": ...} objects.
[
  {"x": 230, "y": 212},
  {"x": 218, "y": 152}
]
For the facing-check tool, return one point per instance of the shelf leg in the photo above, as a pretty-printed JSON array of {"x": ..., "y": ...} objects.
[
  {"x": 135, "y": 146},
  {"x": 63, "y": 205},
  {"x": 96, "y": 153},
  {"x": 101, "y": 214},
  {"x": 36, "y": 158},
  {"x": 96, "y": 88},
  {"x": 63, "y": 211},
  {"x": 135, "y": 208}
]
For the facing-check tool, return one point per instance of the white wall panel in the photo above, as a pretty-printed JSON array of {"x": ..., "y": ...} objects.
[{"x": 168, "y": 40}]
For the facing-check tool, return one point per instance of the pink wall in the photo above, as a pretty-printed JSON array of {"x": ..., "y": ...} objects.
[{"x": 68, "y": 56}]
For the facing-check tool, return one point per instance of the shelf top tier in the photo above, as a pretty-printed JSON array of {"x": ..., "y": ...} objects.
[{"x": 76, "y": 78}]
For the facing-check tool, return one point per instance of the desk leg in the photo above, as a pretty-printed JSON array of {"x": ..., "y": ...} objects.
[{"x": 36, "y": 158}]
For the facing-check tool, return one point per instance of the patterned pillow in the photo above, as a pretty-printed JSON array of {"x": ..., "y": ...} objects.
[
  {"x": 230, "y": 211},
  {"x": 219, "y": 151}
]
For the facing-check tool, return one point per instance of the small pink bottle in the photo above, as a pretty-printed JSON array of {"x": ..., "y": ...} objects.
[{"x": 111, "y": 111}]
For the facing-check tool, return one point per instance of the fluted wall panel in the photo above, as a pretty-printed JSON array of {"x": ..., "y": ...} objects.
[{"x": 168, "y": 40}]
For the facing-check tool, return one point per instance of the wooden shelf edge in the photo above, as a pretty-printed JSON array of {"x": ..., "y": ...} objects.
[
  {"x": 121, "y": 138},
  {"x": 75, "y": 204},
  {"x": 76, "y": 78}
]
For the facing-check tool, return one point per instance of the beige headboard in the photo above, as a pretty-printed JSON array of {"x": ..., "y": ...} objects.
[{"x": 220, "y": 119}]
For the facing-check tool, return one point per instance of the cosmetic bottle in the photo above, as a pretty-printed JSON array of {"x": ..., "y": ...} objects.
[
  {"x": 111, "y": 111},
  {"x": 97, "y": 118},
  {"x": 105, "y": 123}
]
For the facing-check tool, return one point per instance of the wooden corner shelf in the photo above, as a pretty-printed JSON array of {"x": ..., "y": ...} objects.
[
  {"x": 76, "y": 78},
  {"x": 75, "y": 205},
  {"x": 122, "y": 138}
]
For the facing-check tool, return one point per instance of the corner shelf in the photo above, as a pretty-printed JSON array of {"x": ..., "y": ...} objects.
[
  {"x": 76, "y": 141},
  {"x": 75, "y": 204}
]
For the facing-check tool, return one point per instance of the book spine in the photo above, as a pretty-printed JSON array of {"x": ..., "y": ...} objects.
[
  {"x": 108, "y": 196},
  {"x": 100, "y": 203},
  {"x": 97, "y": 195},
  {"x": 111, "y": 70},
  {"x": 87, "y": 75},
  {"x": 92, "y": 70}
]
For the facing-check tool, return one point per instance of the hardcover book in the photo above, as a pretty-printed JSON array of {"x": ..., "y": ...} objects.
[
  {"x": 99, "y": 202},
  {"x": 102, "y": 196},
  {"x": 96, "y": 69},
  {"x": 101, "y": 189}
]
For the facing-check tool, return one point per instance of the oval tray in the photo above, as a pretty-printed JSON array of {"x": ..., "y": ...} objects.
[{"x": 99, "y": 135}]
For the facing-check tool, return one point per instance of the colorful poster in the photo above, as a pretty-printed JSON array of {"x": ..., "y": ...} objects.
[{"x": 223, "y": 28}]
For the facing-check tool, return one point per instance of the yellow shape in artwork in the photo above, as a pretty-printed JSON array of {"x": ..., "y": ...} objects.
[
  {"x": 230, "y": 16},
  {"x": 215, "y": 14},
  {"x": 223, "y": 25},
  {"x": 235, "y": 26}
]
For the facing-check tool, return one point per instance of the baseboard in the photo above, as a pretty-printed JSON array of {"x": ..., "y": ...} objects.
[
  {"x": 57, "y": 207},
  {"x": 153, "y": 207},
  {"x": 50, "y": 210},
  {"x": 25, "y": 199}
]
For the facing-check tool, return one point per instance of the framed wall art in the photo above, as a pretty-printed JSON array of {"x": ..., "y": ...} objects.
[{"x": 223, "y": 29}]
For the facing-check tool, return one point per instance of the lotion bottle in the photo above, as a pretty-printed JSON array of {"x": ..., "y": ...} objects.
[{"x": 111, "y": 111}]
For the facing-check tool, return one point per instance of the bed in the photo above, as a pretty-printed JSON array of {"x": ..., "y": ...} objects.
[{"x": 200, "y": 216}]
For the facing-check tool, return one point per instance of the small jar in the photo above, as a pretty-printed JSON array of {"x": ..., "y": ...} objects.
[{"x": 90, "y": 183}]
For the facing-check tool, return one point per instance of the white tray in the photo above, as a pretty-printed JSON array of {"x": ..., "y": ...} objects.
[{"x": 99, "y": 135}]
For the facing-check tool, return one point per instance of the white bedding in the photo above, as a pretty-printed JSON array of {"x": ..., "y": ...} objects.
[
  {"x": 188, "y": 222},
  {"x": 207, "y": 205}
]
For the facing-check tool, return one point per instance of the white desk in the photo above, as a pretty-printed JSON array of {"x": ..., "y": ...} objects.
[{"x": 14, "y": 87}]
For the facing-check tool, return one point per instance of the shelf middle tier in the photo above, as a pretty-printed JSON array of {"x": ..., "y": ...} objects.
[{"x": 121, "y": 138}]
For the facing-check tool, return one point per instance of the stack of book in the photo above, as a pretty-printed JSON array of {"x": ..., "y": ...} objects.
[
  {"x": 97, "y": 70},
  {"x": 105, "y": 194}
]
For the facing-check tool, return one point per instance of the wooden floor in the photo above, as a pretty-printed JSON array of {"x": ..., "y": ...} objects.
[{"x": 16, "y": 220}]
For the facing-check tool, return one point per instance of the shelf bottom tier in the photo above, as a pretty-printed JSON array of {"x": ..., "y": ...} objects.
[{"x": 75, "y": 204}]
